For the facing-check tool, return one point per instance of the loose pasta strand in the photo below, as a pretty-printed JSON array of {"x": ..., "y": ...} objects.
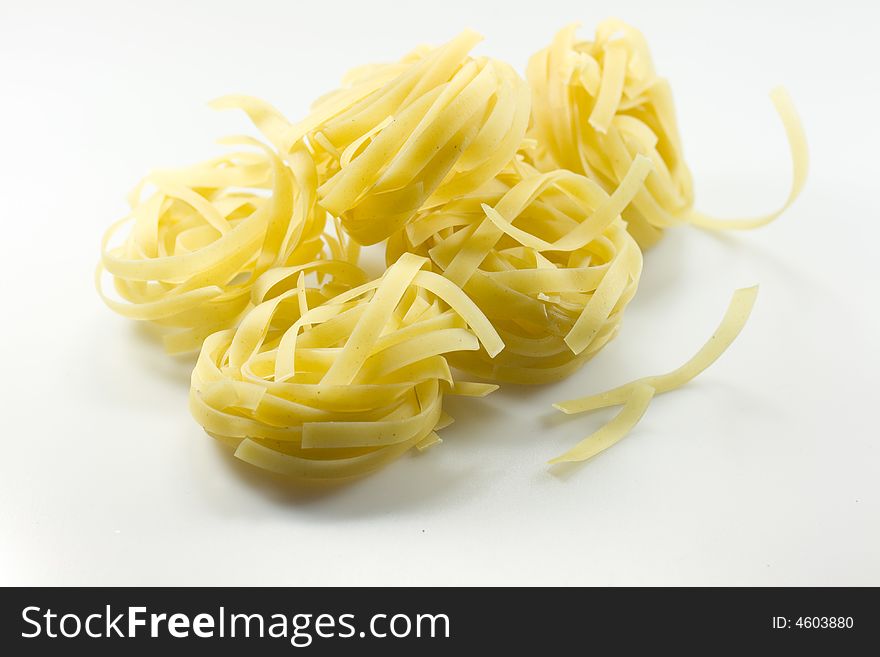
[{"x": 637, "y": 395}]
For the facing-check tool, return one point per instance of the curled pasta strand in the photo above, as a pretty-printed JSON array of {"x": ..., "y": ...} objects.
[{"x": 800, "y": 162}]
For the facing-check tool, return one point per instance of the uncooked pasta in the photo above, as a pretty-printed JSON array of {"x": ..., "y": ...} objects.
[
  {"x": 338, "y": 389},
  {"x": 195, "y": 245},
  {"x": 404, "y": 136},
  {"x": 512, "y": 214},
  {"x": 598, "y": 104},
  {"x": 545, "y": 256},
  {"x": 636, "y": 395}
]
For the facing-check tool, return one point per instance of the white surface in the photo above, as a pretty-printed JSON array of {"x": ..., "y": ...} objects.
[{"x": 763, "y": 471}]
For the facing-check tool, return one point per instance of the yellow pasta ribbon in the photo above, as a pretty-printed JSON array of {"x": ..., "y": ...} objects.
[
  {"x": 636, "y": 395},
  {"x": 598, "y": 104}
]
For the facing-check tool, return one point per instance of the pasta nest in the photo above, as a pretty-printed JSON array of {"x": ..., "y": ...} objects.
[
  {"x": 547, "y": 259},
  {"x": 595, "y": 106},
  {"x": 404, "y": 136},
  {"x": 327, "y": 388},
  {"x": 197, "y": 243}
]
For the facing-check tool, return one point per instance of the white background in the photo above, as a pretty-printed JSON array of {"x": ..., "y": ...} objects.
[{"x": 763, "y": 471}]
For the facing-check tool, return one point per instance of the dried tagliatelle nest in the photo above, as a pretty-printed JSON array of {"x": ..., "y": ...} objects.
[
  {"x": 513, "y": 215},
  {"x": 198, "y": 242},
  {"x": 597, "y": 105},
  {"x": 338, "y": 389}
]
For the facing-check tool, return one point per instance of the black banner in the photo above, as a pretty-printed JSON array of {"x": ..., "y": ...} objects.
[{"x": 431, "y": 621}]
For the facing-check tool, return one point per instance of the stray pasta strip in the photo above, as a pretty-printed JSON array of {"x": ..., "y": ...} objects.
[
  {"x": 597, "y": 104},
  {"x": 545, "y": 256},
  {"x": 338, "y": 389},
  {"x": 196, "y": 244},
  {"x": 636, "y": 395}
]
